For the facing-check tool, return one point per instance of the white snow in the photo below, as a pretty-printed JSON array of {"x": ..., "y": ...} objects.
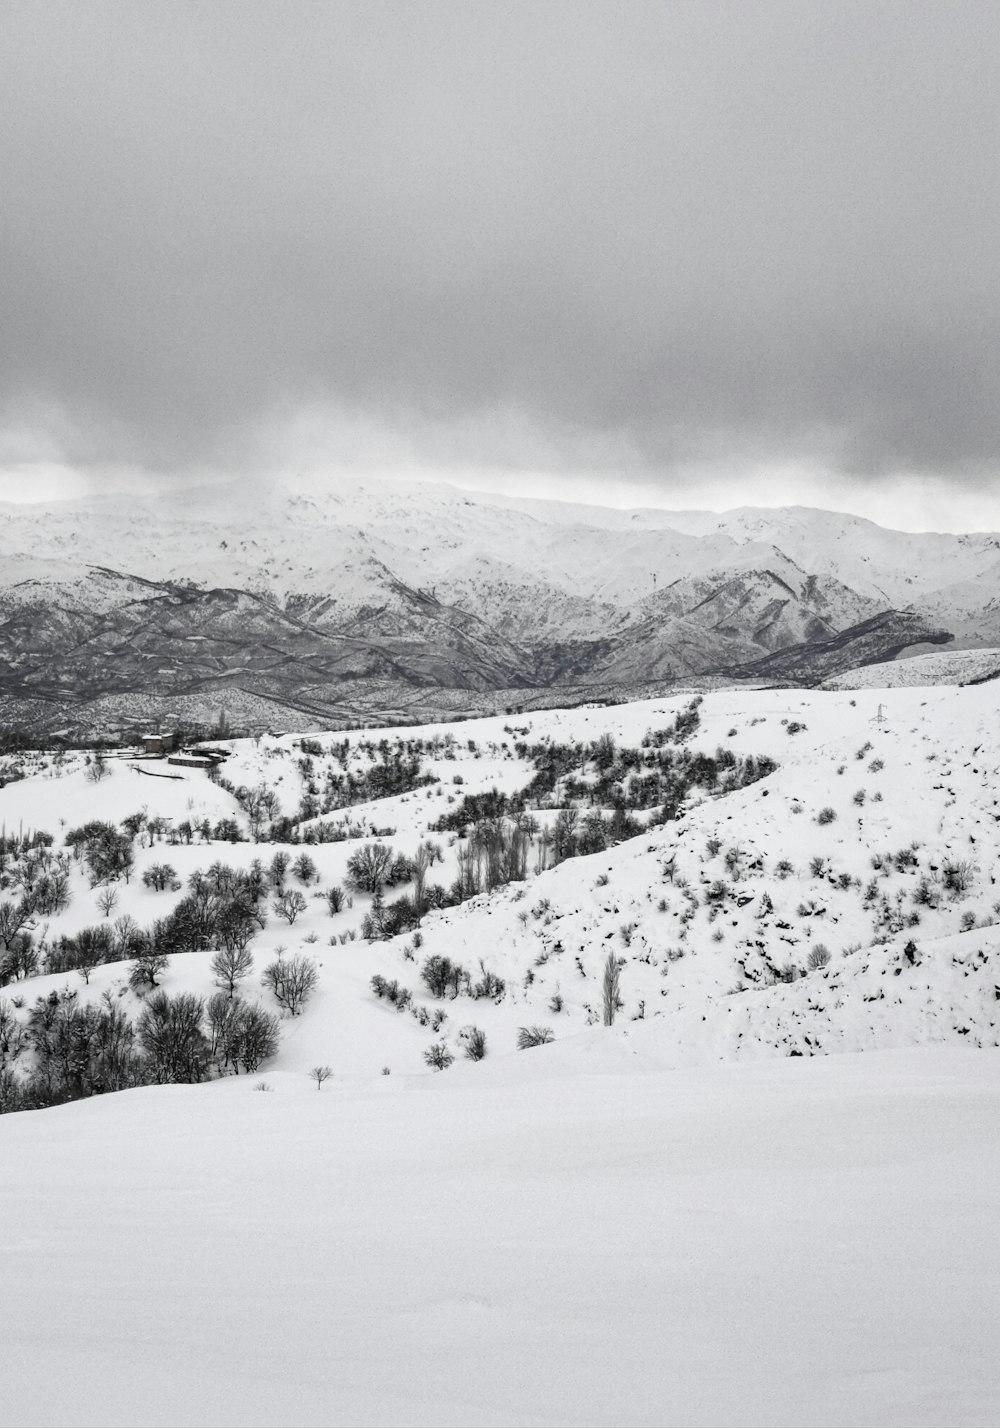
[
  {"x": 940, "y": 667},
  {"x": 572, "y": 1237}
]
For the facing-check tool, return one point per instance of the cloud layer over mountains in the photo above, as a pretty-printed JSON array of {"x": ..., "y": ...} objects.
[{"x": 564, "y": 234}]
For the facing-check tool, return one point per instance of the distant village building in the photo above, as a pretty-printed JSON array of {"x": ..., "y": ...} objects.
[
  {"x": 157, "y": 743},
  {"x": 192, "y": 761}
]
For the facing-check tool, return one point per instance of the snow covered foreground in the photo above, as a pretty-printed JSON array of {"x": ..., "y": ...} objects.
[{"x": 572, "y": 1235}]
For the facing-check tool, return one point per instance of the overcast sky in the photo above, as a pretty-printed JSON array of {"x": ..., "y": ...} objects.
[{"x": 690, "y": 252}]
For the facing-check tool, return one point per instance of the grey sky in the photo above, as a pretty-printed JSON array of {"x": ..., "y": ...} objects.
[{"x": 643, "y": 239}]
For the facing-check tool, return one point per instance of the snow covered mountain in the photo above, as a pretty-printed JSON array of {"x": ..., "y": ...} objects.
[{"x": 290, "y": 605}]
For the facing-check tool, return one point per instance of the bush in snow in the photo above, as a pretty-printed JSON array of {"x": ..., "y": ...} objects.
[
  {"x": 474, "y": 1042},
  {"x": 957, "y": 877},
  {"x": 441, "y": 975},
  {"x": 438, "y": 1056},
  {"x": 528, "y": 1036}
]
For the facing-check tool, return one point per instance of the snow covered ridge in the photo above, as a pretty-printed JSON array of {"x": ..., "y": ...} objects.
[
  {"x": 942, "y": 667},
  {"x": 302, "y": 610},
  {"x": 842, "y": 901}
]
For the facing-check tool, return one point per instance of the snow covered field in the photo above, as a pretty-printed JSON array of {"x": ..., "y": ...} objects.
[
  {"x": 569, "y": 1236},
  {"x": 764, "y": 1195}
]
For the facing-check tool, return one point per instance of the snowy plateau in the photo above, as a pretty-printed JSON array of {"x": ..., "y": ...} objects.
[{"x": 661, "y": 1040}]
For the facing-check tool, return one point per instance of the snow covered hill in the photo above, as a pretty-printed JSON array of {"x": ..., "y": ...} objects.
[
  {"x": 709, "y": 1211},
  {"x": 942, "y": 667},
  {"x": 846, "y": 900}
]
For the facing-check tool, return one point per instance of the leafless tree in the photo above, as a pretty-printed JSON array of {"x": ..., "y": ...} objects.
[
  {"x": 230, "y": 966},
  {"x": 289, "y": 904},
  {"x": 292, "y": 981},
  {"x": 611, "y": 989},
  {"x": 107, "y": 901}
]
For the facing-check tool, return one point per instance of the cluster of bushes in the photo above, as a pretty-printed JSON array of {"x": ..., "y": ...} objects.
[
  {"x": 66, "y": 1050},
  {"x": 224, "y": 907}
]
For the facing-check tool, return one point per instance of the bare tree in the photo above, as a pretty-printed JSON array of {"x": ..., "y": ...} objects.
[
  {"x": 289, "y": 904},
  {"x": 159, "y": 876},
  {"x": 148, "y": 966},
  {"x": 368, "y": 867},
  {"x": 292, "y": 982},
  {"x": 259, "y": 1037},
  {"x": 278, "y": 869},
  {"x": 107, "y": 901},
  {"x": 611, "y": 988},
  {"x": 14, "y": 918},
  {"x": 321, "y": 1074},
  {"x": 305, "y": 869},
  {"x": 528, "y": 1036},
  {"x": 230, "y": 965},
  {"x": 97, "y": 769}
]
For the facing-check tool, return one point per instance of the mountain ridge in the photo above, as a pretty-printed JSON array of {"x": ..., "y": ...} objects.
[{"x": 351, "y": 600}]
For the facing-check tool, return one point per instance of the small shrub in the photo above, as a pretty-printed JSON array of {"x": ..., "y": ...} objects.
[
  {"x": 818, "y": 957},
  {"x": 825, "y": 816},
  {"x": 441, "y": 975},
  {"x": 528, "y": 1036},
  {"x": 473, "y": 1039},
  {"x": 438, "y": 1056}
]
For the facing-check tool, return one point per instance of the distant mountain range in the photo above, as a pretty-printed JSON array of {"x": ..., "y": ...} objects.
[{"x": 381, "y": 600}]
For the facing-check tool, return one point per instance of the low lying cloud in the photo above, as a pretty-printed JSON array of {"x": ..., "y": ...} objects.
[{"x": 582, "y": 236}]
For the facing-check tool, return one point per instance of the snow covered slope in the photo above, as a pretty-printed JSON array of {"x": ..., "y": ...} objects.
[
  {"x": 576, "y": 1236},
  {"x": 846, "y": 901},
  {"x": 941, "y": 667},
  {"x": 756, "y": 1197}
]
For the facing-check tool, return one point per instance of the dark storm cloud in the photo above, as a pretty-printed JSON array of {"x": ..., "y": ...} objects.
[{"x": 742, "y": 230}]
